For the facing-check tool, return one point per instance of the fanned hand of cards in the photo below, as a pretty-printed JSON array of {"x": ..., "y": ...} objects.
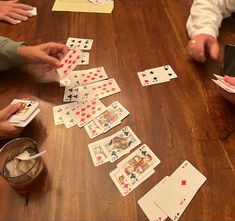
[
  {"x": 223, "y": 84},
  {"x": 156, "y": 75},
  {"x": 27, "y": 112},
  {"x": 68, "y": 64},
  {"x": 134, "y": 169},
  {"x": 113, "y": 147},
  {"x": 171, "y": 196}
]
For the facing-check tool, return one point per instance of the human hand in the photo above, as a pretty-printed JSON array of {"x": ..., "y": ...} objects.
[
  {"x": 201, "y": 44},
  {"x": 7, "y": 129},
  {"x": 11, "y": 11},
  {"x": 48, "y": 53}
]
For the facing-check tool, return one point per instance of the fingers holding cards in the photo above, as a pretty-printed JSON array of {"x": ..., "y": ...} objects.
[{"x": 25, "y": 114}]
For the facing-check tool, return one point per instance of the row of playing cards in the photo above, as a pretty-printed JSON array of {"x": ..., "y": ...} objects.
[
  {"x": 171, "y": 196},
  {"x": 112, "y": 117},
  {"x": 99, "y": 89},
  {"x": 134, "y": 169},
  {"x": 113, "y": 147},
  {"x": 27, "y": 112},
  {"x": 156, "y": 75},
  {"x": 91, "y": 112},
  {"x": 223, "y": 84}
]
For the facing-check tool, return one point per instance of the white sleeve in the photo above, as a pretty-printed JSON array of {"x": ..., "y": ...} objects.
[{"x": 206, "y": 16}]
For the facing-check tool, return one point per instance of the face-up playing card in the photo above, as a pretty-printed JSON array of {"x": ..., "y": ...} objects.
[
  {"x": 68, "y": 64},
  {"x": 138, "y": 163},
  {"x": 151, "y": 210},
  {"x": 66, "y": 115},
  {"x": 85, "y": 59},
  {"x": 104, "y": 88},
  {"x": 156, "y": 76},
  {"x": 57, "y": 111},
  {"x": 24, "y": 123},
  {"x": 115, "y": 113},
  {"x": 179, "y": 190},
  {"x": 100, "y": 2},
  {"x": 79, "y": 94},
  {"x": 87, "y": 111},
  {"x": 26, "y": 109},
  {"x": 120, "y": 143},
  {"x": 166, "y": 70},
  {"x": 123, "y": 185},
  {"x": 92, "y": 75},
  {"x": 93, "y": 130},
  {"x": 97, "y": 154},
  {"x": 82, "y": 43}
]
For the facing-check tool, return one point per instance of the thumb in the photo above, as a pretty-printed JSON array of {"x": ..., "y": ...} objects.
[
  {"x": 230, "y": 80},
  {"x": 213, "y": 48},
  {"x": 9, "y": 110}
]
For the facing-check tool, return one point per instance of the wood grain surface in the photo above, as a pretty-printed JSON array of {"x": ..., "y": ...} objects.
[{"x": 179, "y": 120}]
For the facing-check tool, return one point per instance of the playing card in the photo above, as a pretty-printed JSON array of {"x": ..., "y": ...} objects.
[
  {"x": 82, "y": 43},
  {"x": 85, "y": 59},
  {"x": 99, "y": 2},
  {"x": 24, "y": 123},
  {"x": 89, "y": 76},
  {"x": 115, "y": 113},
  {"x": 228, "y": 86},
  {"x": 57, "y": 110},
  {"x": 157, "y": 75},
  {"x": 144, "y": 78},
  {"x": 179, "y": 190},
  {"x": 120, "y": 143},
  {"x": 87, "y": 111},
  {"x": 151, "y": 210},
  {"x": 97, "y": 154},
  {"x": 123, "y": 185},
  {"x": 138, "y": 163},
  {"x": 104, "y": 88},
  {"x": 68, "y": 64},
  {"x": 225, "y": 87},
  {"x": 26, "y": 109},
  {"x": 167, "y": 70},
  {"x": 93, "y": 130},
  {"x": 79, "y": 94},
  {"x": 66, "y": 115},
  {"x": 34, "y": 11}
]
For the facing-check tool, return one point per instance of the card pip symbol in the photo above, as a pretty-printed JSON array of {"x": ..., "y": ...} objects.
[{"x": 183, "y": 182}]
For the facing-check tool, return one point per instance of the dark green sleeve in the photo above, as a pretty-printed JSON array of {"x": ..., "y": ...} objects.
[{"x": 9, "y": 53}]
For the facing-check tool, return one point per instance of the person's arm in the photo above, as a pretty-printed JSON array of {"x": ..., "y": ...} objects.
[
  {"x": 16, "y": 53},
  {"x": 203, "y": 27},
  {"x": 9, "y": 53},
  {"x": 206, "y": 16}
]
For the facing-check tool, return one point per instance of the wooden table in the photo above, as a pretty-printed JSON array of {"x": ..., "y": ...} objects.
[{"x": 178, "y": 120}]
